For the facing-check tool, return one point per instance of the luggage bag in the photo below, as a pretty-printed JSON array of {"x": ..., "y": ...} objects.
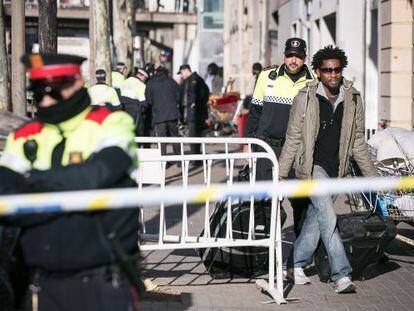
[
  {"x": 228, "y": 262},
  {"x": 365, "y": 235}
]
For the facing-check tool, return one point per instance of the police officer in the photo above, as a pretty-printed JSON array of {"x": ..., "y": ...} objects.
[
  {"x": 118, "y": 77},
  {"x": 195, "y": 97},
  {"x": 163, "y": 95},
  {"x": 270, "y": 106},
  {"x": 102, "y": 94},
  {"x": 133, "y": 98},
  {"x": 72, "y": 146}
]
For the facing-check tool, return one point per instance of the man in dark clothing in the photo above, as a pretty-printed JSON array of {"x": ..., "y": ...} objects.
[
  {"x": 163, "y": 95},
  {"x": 72, "y": 146},
  {"x": 195, "y": 98}
]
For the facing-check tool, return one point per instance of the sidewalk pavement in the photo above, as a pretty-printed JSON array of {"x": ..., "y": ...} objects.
[{"x": 388, "y": 286}]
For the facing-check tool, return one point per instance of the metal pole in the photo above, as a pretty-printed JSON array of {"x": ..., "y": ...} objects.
[{"x": 18, "y": 49}]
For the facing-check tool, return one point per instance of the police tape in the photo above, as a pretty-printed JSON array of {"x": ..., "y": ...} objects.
[{"x": 94, "y": 200}]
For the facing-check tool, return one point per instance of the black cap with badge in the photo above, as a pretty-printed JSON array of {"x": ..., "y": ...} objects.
[
  {"x": 182, "y": 67},
  {"x": 295, "y": 46}
]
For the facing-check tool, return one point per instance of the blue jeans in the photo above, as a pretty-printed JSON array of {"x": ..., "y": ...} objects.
[{"x": 320, "y": 222}]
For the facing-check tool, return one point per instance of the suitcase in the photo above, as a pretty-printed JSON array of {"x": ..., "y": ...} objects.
[
  {"x": 233, "y": 262},
  {"x": 365, "y": 235}
]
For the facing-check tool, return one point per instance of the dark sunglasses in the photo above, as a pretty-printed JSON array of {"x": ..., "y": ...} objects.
[
  {"x": 331, "y": 70},
  {"x": 51, "y": 87},
  {"x": 40, "y": 92}
]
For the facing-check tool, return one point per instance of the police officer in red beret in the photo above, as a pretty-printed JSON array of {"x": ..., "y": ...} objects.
[{"x": 72, "y": 257}]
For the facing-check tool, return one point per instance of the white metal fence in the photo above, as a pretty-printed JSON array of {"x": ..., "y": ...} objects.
[
  {"x": 208, "y": 192},
  {"x": 94, "y": 200},
  {"x": 153, "y": 166}
]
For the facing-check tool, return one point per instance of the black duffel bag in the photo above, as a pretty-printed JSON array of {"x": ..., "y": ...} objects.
[
  {"x": 365, "y": 235},
  {"x": 229, "y": 262}
]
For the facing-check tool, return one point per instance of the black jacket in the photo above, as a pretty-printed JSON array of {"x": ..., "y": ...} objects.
[
  {"x": 67, "y": 242},
  {"x": 163, "y": 95},
  {"x": 76, "y": 241},
  {"x": 197, "y": 92}
]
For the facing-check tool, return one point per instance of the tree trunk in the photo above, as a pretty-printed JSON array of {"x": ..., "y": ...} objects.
[
  {"x": 119, "y": 21},
  {"x": 92, "y": 50},
  {"x": 130, "y": 33},
  {"x": 4, "y": 70},
  {"x": 102, "y": 43},
  {"x": 47, "y": 26},
  {"x": 18, "y": 49}
]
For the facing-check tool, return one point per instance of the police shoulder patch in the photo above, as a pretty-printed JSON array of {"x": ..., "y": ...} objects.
[
  {"x": 28, "y": 129},
  {"x": 271, "y": 67},
  {"x": 98, "y": 114}
]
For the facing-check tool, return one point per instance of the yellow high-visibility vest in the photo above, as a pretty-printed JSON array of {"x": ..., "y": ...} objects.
[
  {"x": 102, "y": 93},
  {"x": 133, "y": 88},
  {"x": 86, "y": 133},
  {"x": 117, "y": 79}
]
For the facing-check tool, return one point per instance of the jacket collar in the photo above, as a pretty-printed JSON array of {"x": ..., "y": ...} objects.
[
  {"x": 309, "y": 74},
  {"x": 341, "y": 96}
]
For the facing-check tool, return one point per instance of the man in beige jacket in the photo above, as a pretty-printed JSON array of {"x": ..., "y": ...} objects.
[{"x": 326, "y": 127}]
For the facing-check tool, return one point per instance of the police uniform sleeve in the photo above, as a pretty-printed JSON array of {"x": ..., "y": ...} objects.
[
  {"x": 11, "y": 182},
  {"x": 148, "y": 96},
  {"x": 140, "y": 95},
  {"x": 191, "y": 91},
  {"x": 256, "y": 105},
  {"x": 13, "y": 155},
  {"x": 112, "y": 162},
  {"x": 116, "y": 104},
  {"x": 178, "y": 98},
  {"x": 13, "y": 167}
]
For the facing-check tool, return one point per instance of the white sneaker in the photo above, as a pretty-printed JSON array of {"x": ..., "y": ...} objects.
[
  {"x": 344, "y": 285},
  {"x": 300, "y": 277}
]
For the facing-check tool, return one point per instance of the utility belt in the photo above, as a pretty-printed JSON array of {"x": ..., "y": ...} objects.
[
  {"x": 107, "y": 271},
  {"x": 272, "y": 142},
  {"x": 112, "y": 273}
]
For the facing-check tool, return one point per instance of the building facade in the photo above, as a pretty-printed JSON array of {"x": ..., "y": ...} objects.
[
  {"x": 377, "y": 36},
  {"x": 166, "y": 30},
  {"x": 250, "y": 36}
]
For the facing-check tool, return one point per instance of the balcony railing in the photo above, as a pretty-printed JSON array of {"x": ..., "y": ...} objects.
[{"x": 167, "y": 6}]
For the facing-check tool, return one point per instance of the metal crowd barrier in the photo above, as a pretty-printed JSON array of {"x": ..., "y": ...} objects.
[
  {"x": 209, "y": 192},
  {"x": 153, "y": 166}
]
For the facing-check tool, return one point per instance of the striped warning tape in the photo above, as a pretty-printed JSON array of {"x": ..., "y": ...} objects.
[{"x": 92, "y": 200}]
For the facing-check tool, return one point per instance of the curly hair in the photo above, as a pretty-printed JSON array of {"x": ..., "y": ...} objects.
[{"x": 329, "y": 52}]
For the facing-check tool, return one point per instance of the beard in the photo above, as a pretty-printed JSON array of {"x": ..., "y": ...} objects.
[{"x": 293, "y": 69}]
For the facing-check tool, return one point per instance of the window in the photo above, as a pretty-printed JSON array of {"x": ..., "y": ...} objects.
[{"x": 212, "y": 15}]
